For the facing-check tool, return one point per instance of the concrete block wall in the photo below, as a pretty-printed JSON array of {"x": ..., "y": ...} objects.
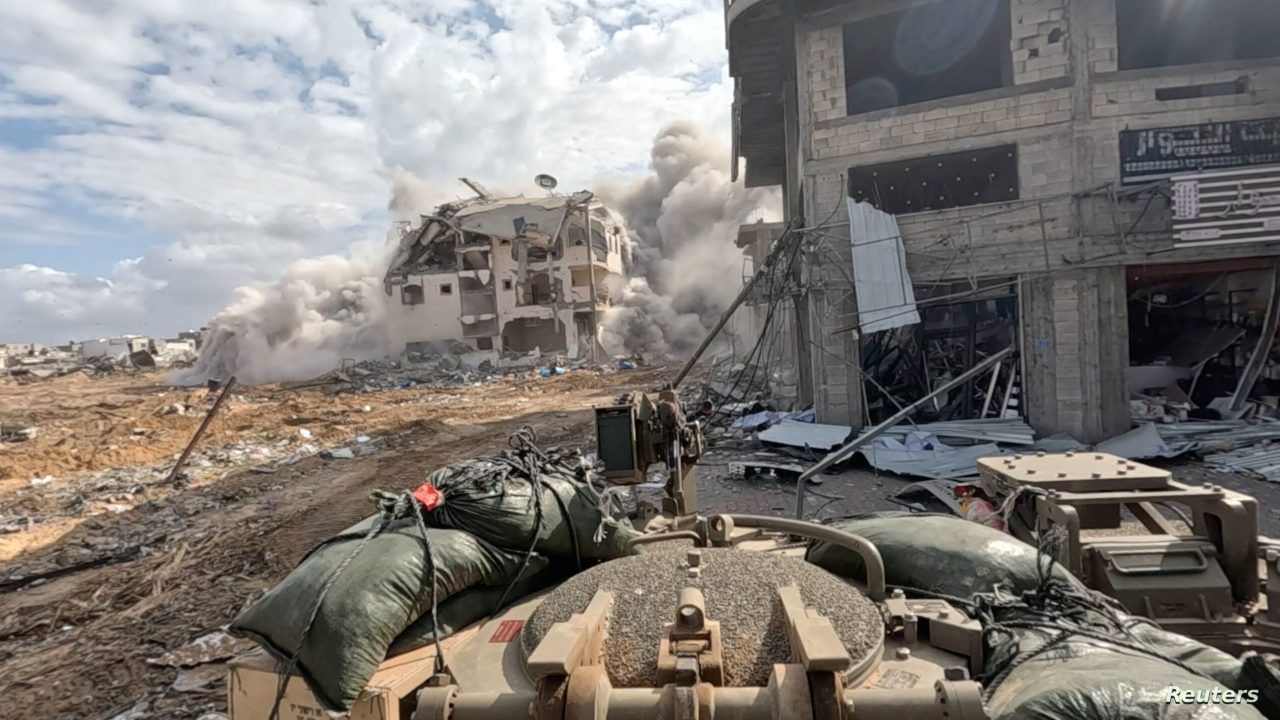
[
  {"x": 1131, "y": 95},
  {"x": 1004, "y": 238},
  {"x": 1073, "y": 341},
  {"x": 882, "y": 135},
  {"x": 1038, "y": 40},
  {"x": 826, "y": 74}
]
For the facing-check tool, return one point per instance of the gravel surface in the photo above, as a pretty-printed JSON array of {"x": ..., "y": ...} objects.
[{"x": 740, "y": 589}]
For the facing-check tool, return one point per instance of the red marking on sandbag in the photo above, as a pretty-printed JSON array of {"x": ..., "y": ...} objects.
[{"x": 429, "y": 496}]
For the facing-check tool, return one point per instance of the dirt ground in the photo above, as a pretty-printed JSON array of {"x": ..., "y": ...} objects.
[
  {"x": 154, "y": 565},
  {"x": 106, "y": 566}
]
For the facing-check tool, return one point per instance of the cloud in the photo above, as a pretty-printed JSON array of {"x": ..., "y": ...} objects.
[{"x": 217, "y": 143}]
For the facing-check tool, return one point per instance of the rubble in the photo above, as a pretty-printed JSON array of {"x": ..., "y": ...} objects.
[{"x": 14, "y": 433}]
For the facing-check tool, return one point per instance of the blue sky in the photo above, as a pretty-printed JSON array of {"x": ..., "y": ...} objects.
[{"x": 156, "y": 156}]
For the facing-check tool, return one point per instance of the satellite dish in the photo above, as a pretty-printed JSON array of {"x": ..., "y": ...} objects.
[{"x": 546, "y": 182}]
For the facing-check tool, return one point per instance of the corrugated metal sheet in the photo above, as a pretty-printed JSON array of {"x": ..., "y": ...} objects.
[
  {"x": 804, "y": 434},
  {"x": 940, "y": 462},
  {"x": 885, "y": 296}
]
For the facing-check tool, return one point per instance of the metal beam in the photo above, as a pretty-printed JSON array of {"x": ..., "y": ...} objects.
[{"x": 844, "y": 453}]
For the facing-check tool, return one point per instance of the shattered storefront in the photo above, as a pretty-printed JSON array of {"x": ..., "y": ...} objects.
[{"x": 514, "y": 275}]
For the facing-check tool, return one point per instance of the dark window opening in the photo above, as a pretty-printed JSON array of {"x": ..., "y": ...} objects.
[
  {"x": 1238, "y": 86},
  {"x": 1160, "y": 33},
  {"x": 446, "y": 289},
  {"x": 930, "y": 51},
  {"x": 938, "y": 182},
  {"x": 506, "y": 284},
  {"x": 411, "y": 295},
  {"x": 475, "y": 260},
  {"x": 484, "y": 343}
]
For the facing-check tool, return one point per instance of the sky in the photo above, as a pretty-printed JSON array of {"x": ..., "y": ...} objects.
[{"x": 157, "y": 154}]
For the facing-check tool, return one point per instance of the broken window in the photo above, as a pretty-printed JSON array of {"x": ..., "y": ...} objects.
[
  {"x": 411, "y": 295},
  {"x": 929, "y": 51},
  {"x": 446, "y": 289},
  {"x": 484, "y": 343},
  {"x": 477, "y": 296},
  {"x": 938, "y": 182},
  {"x": 537, "y": 291},
  {"x": 1160, "y": 33}
]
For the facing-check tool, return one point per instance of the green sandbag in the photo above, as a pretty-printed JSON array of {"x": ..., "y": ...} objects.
[
  {"x": 492, "y": 498},
  {"x": 381, "y": 591},
  {"x": 940, "y": 554},
  {"x": 1247, "y": 672},
  {"x": 1092, "y": 678},
  {"x": 467, "y": 608}
]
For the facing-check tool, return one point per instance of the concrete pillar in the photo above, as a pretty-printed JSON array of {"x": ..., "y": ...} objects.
[
  {"x": 835, "y": 355},
  {"x": 1075, "y": 343}
]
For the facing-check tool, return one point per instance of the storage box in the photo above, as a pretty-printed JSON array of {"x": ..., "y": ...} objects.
[{"x": 252, "y": 684}]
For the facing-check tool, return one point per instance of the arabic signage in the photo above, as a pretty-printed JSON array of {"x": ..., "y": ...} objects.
[
  {"x": 1227, "y": 207},
  {"x": 1150, "y": 155}
]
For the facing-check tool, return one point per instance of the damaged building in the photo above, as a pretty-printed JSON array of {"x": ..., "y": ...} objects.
[
  {"x": 1095, "y": 183},
  {"x": 507, "y": 275}
]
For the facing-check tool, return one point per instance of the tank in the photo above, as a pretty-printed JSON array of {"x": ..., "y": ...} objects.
[{"x": 746, "y": 629}]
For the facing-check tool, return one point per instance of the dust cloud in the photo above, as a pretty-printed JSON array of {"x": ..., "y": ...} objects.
[
  {"x": 684, "y": 266},
  {"x": 323, "y": 310},
  {"x": 410, "y": 196}
]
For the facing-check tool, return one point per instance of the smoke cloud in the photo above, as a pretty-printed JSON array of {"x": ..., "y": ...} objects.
[
  {"x": 685, "y": 267},
  {"x": 323, "y": 310}
]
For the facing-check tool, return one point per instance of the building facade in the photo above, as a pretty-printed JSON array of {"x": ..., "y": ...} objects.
[
  {"x": 115, "y": 346},
  {"x": 1026, "y": 149},
  {"x": 510, "y": 275}
]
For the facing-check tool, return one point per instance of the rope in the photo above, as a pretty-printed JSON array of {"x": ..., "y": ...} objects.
[
  {"x": 610, "y": 504},
  {"x": 524, "y": 442},
  {"x": 390, "y": 508},
  {"x": 1056, "y": 607}
]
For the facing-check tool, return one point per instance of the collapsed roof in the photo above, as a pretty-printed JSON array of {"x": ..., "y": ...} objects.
[{"x": 535, "y": 221}]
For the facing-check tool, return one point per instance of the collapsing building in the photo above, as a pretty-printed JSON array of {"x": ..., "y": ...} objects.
[{"x": 507, "y": 275}]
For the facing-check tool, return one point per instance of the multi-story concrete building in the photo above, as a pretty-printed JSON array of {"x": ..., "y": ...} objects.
[
  {"x": 1025, "y": 147},
  {"x": 507, "y": 274}
]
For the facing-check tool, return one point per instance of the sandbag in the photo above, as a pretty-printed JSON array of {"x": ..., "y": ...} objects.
[
  {"x": 939, "y": 554},
  {"x": 493, "y": 499},
  {"x": 1247, "y": 672},
  {"x": 466, "y": 608},
  {"x": 380, "y": 592},
  {"x": 1059, "y": 652},
  {"x": 1094, "y": 678}
]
